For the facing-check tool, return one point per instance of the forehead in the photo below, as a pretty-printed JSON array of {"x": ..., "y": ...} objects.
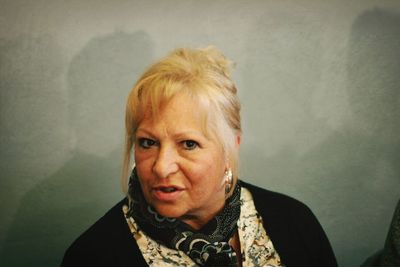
[{"x": 180, "y": 111}]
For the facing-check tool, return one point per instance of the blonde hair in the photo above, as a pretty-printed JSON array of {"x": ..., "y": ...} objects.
[{"x": 203, "y": 75}]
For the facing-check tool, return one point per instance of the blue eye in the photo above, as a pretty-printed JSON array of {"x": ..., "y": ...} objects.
[
  {"x": 190, "y": 144},
  {"x": 146, "y": 143}
]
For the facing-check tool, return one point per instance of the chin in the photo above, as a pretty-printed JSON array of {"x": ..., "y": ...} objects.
[{"x": 170, "y": 211}]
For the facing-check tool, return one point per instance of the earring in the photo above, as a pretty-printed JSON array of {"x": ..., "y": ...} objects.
[{"x": 228, "y": 178}]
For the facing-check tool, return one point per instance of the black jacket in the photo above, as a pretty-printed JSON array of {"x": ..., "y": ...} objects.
[{"x": 294, "y": 230}]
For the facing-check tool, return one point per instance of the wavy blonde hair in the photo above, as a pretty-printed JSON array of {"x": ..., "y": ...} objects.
[{"x": 202, "y": 74}]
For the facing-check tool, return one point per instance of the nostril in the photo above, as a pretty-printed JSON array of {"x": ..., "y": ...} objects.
[
  {"x": 164, "y": 169},
  {"x": 166, "y": 162}
]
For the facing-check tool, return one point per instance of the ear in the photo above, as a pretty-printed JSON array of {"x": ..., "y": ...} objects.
[{"x": 238, "y": 139}]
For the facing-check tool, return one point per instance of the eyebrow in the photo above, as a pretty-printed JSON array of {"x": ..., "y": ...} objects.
[
  {"x": 178, "y": 135},
  {"x": 145, "y": 131}
]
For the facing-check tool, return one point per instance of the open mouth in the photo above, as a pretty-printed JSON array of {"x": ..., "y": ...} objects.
[
  {"x": 167, "y": 193},
  {"x": 168, "y": 189}
]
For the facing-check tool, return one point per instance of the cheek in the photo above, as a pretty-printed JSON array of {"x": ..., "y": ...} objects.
[
  {"x": 143, "y": 171},
  {"x": 144, "y": 158},
  {"x": 139, "y": 155},
  {"x": 144, "y": 165},
  {"x": 208, "y": 175}
]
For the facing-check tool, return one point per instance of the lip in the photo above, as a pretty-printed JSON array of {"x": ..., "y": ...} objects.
[{"x": 167, "y": 196}]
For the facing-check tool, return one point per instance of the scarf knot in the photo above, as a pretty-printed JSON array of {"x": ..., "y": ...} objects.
[{"x": 206, "y": 247}]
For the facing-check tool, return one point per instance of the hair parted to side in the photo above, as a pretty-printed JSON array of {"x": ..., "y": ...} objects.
[{"x": 202, "y": 74}]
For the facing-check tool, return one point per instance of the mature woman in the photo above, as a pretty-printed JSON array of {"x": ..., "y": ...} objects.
[{"x": 185, "y": 205}]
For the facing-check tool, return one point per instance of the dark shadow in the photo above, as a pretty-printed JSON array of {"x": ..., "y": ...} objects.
[
  {"x": 33, "y": 140},
  {"x": 23, "y": 74},
  {"x": 351, "y": 179},
  {"x": 374, "y": 93},
  {"x": 62, "y": 206}
]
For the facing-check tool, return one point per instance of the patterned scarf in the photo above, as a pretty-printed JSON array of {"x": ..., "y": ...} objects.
[{"x": 207, "y": 246}]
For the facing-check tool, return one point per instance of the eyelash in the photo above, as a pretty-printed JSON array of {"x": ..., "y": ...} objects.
[
  {"x": 143, "y": 143},
  {"x": 193, "y": 144},
  {"x": 147, "y": 143}
]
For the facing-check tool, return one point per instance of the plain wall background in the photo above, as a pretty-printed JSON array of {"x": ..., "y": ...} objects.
[{"x": 318, "y": 80}]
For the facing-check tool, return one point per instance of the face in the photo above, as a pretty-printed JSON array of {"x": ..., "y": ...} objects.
[{"x": 180, "y": 169}]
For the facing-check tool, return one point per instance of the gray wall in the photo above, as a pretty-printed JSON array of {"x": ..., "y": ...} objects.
[{"x": 319, "y": 83}]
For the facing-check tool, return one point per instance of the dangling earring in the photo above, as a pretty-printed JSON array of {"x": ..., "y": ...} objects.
[{"x": 228, "y": 179}]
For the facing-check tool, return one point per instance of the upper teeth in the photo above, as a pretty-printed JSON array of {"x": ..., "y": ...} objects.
[{"x": 168, "y": 189}]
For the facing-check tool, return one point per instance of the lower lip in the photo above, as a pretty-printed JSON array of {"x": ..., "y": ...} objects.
[{"x": 167, "y": 197}]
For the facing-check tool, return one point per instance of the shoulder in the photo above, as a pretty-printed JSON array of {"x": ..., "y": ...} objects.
[
  {"x": 269, "y": 203},
  {"x": 108, "y": 242},
  {"x": 293, "y": 228}
]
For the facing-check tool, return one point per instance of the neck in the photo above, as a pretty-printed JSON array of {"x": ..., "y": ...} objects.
[{"x": 197, "y": 221}]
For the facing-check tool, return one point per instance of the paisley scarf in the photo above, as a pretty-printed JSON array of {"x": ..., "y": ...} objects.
[{"x": 206, "y": 247}]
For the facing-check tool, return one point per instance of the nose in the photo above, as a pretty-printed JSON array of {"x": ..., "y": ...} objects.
[{"x": 166, "y": 162}]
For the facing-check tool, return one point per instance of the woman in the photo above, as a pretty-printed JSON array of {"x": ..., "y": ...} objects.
[{"x": 185, "y": 205}]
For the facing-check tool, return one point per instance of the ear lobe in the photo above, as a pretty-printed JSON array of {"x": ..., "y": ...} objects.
[{"x": 238, "y": 139}]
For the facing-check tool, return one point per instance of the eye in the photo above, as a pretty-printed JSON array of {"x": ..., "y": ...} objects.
[
  {"x": 146, "y": 143},
  {"x": 190, "y": 144}
]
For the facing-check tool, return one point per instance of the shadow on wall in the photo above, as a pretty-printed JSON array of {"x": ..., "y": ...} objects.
[
  {"x": 374, "y": 92},
  {"x": 30, "y": 71},
  {"x": 351, "y": 179},
  {"x": 63, "y": 205},
  {"x": 33, "y": 141}
]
